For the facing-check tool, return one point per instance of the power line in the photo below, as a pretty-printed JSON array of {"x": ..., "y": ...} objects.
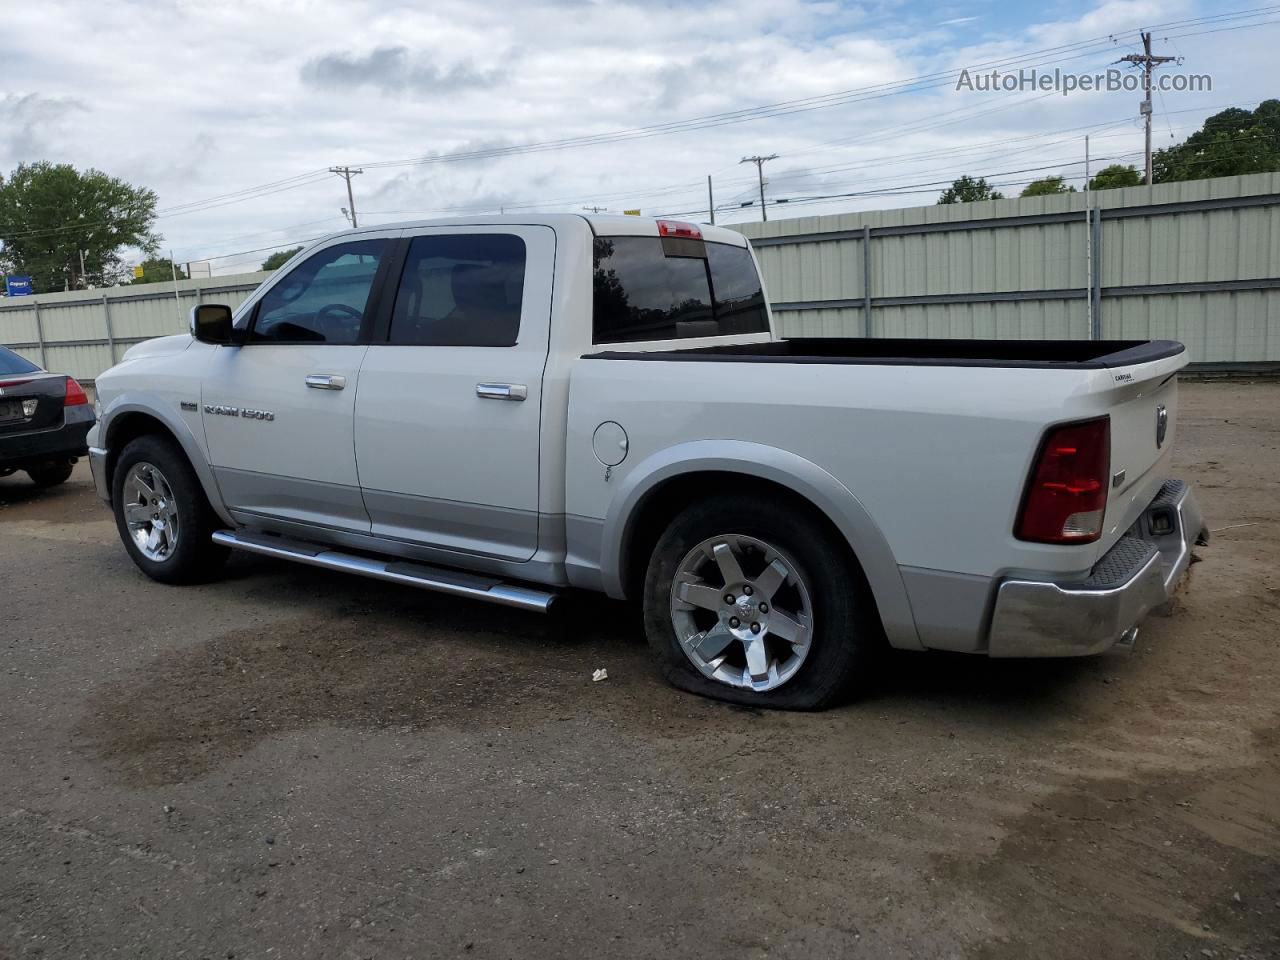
[
  {"x": 1056, "y": 54},
  {"x": 822, "y": 101}
]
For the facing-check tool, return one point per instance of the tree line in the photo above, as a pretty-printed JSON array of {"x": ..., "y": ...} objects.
[
  {"x": 1230, "y": 143},
  {"x": 68, "y": 229}
]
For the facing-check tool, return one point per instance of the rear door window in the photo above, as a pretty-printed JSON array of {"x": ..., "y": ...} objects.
[
  {"x": 460, "y": 290},
  {"x": 648, "y": 289}
]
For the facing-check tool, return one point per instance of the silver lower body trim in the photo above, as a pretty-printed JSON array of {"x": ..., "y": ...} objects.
[
  {"x": 98, "y": 467},
  {"x": 1035, "y": 618},
  {"x": 394, "y": 571}
]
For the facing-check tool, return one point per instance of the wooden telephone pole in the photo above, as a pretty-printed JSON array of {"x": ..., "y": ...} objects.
[
  {"x": 760, "y": 162},
  {"x": 1147, "y": 62},
  {"x": 346, "y": 173}
]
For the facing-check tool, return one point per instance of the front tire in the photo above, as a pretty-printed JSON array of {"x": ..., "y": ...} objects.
[
  {"x": 162, "y": 515},
  {"x": 50, "y": 475},
  {"x": 749, "y": 603}
]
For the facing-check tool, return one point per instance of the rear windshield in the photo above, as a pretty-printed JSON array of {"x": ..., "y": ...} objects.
[
  {"x": 10, "y": 362},
  {"x": 648, "y": 288}
]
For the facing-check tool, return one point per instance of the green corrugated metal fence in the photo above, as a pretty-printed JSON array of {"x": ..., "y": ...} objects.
[{"x": 1197, "y": 261}]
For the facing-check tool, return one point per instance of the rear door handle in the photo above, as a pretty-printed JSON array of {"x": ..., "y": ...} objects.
[
  {"x": 502, "y": 391},
  {"x": 326, "y": 381}
]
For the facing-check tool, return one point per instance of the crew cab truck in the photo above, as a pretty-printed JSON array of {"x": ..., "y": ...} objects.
[{"x": 508, "y": 409}]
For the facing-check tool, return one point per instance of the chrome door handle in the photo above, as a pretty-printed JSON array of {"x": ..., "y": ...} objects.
[
  {"x": 326, "y": 381},
  {"x": 502, "y": 391}
]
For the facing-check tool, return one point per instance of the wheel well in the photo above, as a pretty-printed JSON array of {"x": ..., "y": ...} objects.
[
  {"x": 130, "y": 426},
  {"x": 660, "y": 506}
]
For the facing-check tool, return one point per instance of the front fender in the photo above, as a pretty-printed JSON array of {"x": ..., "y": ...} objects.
[
  {"x": 786, "y": 469},
  {"x": 167, "y": 412}
]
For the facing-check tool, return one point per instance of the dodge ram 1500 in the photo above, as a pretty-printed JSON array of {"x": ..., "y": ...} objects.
[{"x": 508, "y": 408}]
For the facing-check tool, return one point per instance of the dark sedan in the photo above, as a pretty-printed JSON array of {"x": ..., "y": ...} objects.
[{"x": 44, "y": 418}]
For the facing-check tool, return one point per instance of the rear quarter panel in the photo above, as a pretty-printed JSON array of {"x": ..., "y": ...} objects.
[{"x": 937, "y": 456}]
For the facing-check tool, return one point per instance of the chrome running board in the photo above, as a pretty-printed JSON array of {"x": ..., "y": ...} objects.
[{"x": 419, "y": 575}]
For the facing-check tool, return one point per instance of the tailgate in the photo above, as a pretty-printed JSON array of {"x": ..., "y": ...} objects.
[{"x": 1142, "y": 401}]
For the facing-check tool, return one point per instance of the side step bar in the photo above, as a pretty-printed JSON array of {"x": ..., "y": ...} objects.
[{"x": 394, "y": 571}]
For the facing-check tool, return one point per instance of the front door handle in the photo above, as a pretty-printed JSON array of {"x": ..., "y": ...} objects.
[
  {"x": 502, "y": 391},
  {"x": 326, "y": 381}
]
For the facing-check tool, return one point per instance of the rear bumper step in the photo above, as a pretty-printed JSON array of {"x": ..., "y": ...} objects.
[
  {"x": 1034, "y": 618},
  {"x": 393, "y": 571}
]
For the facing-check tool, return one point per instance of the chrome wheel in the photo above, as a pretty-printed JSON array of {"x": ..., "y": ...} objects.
[
  {"x": 150, "y": 512},
  {"x": 741, "y": 612}
]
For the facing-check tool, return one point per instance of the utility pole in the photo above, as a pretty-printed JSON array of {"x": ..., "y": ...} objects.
[
  {"x": 760, "y": 162},
  {"x": 346, "y": 173},
  {"x": 711, "y": 201},
  {"x": 1088, "y": 240},
  {"x": 177, "y": 297},
  {"x": 1146, "y": 61}
]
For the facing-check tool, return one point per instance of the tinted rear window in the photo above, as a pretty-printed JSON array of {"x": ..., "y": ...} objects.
[
  {"x": 460, "y": 290},
  {"x": 642, "y": 293},
  {"x": 11, "y": 363}
]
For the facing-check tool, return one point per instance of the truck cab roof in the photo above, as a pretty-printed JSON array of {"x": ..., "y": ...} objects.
[{"x": 601, "y": 224}]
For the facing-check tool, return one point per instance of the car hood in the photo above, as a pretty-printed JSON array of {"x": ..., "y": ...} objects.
[{"x": 159, "y": 347}]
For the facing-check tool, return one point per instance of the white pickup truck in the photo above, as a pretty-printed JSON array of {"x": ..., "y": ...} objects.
[{"x": 510, "y": 409}]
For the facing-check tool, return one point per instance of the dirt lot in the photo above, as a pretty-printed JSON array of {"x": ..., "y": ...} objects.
[{"x": 295, "y": 764}]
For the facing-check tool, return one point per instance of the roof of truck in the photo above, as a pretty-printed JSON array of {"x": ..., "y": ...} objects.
[{"x": 603, "y": 224}]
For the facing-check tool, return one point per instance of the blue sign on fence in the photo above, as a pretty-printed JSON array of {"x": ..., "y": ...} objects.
[{"x": 17, "y": 286}]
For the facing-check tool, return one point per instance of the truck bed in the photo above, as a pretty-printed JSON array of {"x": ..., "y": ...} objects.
[{"x": 1051, "y": 354}]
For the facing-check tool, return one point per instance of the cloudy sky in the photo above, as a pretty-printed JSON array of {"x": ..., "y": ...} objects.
[{"x": 232, "y": 110}]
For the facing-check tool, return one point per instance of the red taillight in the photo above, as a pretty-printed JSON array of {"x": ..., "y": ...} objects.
[
  {"x": 75, "y": 394},
  {"x": 1066, "y": 495},
  {"x": 678, "y": 228}
]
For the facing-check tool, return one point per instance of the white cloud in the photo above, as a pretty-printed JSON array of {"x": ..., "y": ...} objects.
[{"x": 201, "y": 99}]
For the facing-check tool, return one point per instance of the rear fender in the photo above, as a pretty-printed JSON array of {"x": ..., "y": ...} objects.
[{"x": 788, "y": 470}]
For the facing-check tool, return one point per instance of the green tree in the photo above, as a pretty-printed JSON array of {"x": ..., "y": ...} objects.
[
  {"x": 279, "y": 258},
  {"x": 967, "y": 189},
  {"x": 158, "y": 270},
  {"x": 53, "y": 214},
  {"x": 1116, "y": 175},
  {"x": 1230, "y": 143},
  {"x": 1046, "y": 186}
]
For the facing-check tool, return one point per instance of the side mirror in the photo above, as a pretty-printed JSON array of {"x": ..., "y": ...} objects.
[{"x": 211, "y": 323}]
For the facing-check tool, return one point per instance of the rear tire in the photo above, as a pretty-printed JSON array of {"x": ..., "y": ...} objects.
[
  {"x": 163, "y": 517},
  {"x": 50, "y": 475},
  {"x": 809, "y": 650}
]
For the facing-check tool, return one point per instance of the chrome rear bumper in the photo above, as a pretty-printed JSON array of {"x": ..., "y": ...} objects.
[{"x": 1035, "y": 618}]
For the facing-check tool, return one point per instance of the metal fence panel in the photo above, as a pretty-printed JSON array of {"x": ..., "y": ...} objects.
[
  {"x": 1197, "y": 261},
  {"x": 83, "y": 332}
]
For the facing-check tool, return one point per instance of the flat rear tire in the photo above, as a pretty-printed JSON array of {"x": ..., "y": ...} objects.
[{"x": 750, "y": 602}]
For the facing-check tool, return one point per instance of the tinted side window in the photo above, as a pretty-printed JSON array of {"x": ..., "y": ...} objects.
[
  {"x": 322, "y": 299},
  {"x": 461, "y": 290},
  {"x": 644, "y": 290},
  {"x": 739, "y": 297}
]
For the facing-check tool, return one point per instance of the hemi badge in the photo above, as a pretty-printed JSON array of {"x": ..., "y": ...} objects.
[
  {"x": 188, "y": 405},
  {"x": 1118, "y": 478}
]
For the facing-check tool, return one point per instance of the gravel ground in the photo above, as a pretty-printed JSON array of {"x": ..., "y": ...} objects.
[{"x": 289, "y": 763}]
